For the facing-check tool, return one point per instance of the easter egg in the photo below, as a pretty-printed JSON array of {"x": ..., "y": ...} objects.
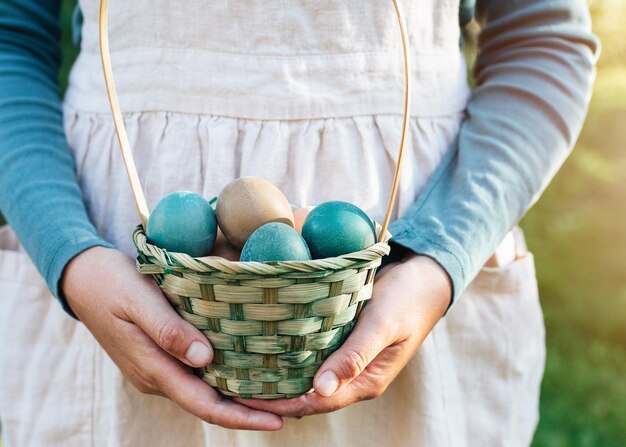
[
  {"x": 183, "y": 222},
  {"x": 224, "y": 249},
  {"x": 275, "y": 241},
  {"x": 337, "y": 228},
  {"x": 299, "y": 216},
  {"x": 247, "y": 203}
]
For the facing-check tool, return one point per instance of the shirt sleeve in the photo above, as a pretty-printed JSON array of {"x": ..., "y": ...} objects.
[
  {"x": 534, "y": 73},
  {"x": 39, "y": 192}
]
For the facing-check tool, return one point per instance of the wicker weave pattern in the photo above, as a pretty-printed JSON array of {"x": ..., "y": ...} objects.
[{"x": 271, "y": 325}]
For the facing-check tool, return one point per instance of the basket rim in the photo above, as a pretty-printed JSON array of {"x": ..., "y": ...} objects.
[{"x": 206, "y": 264}]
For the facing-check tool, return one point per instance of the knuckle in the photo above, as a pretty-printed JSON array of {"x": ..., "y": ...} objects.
[
  {"x": 208, "y": 417},
  {"x": 143, "y": 381},
  {"x": 170, "y": 336},
  {"x": 144, "y": 389},
  {"x": 211, "y": 415},
  {"x": 301, "y": 411},
  {"x": 374, "y": 392},
  {"x": 352, "y": 364},
  {"x": 142, "y": 386}
]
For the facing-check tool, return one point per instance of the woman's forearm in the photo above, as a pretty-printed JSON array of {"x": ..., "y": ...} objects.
[
  {"x": 39, "y": 192},
  {"x": 534, "y": 74}
]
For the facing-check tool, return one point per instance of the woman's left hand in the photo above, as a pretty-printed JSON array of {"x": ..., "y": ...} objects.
[{"x": 408, "y": 300}]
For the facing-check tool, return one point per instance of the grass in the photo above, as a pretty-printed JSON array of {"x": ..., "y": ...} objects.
[{"x": 577, "y": 230}]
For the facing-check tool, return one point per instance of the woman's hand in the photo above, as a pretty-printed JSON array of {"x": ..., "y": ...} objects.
[
  {"x": 152, "y": 345},
  {"x": 408, "y": 299}
]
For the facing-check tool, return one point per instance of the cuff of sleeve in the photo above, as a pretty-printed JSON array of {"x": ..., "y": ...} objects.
[
  {"x": 60, "y": 260},
  {"x": 439, "y": 250}
]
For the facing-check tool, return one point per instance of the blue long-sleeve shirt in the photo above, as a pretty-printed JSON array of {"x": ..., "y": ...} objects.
[{"x": 534, "y": 74}]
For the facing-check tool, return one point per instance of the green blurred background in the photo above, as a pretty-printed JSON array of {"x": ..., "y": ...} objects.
[{"x": 576, "y": 232}]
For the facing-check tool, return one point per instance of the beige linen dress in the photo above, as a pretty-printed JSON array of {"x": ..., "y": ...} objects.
[{"x": 307, "y": 94}]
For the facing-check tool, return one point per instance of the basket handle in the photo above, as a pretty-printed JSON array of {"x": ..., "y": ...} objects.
[{"x": 129, "y": 162}]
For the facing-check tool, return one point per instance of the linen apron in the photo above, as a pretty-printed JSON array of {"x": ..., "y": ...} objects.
[{"x": 307, "y": 94}]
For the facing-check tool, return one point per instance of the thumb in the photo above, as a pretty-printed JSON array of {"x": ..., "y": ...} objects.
[
  {"x": 162, "y": 324},
  {"x": 361, "y": 347}
]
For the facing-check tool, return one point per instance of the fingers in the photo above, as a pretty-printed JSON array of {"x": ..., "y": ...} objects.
[
  {"x": 170, "y": 332},
  {"x": 177, "y": 337},
  {"x": 199, "y": 399},
  {"x": 370, "y": 384},
  {"x": 369, "y": 338},
  {"x": 153, "y": 371},
  {"x": 299, "y": 407},
  {"x": 196, "y": 397}
]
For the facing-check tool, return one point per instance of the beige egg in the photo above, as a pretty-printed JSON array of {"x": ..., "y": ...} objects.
[
  {"x": 247, "y": 203},
  {"x": 300, "y": 215}
]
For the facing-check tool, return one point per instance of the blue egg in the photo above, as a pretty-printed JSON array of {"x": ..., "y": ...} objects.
[
  {"x": 337, "y": 228},
  {"x": 275, "y": 241},
  {"x": 183, "y": 222}
]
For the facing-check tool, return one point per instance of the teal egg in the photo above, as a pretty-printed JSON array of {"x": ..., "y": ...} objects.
[
  {"x": 337, "y": 228},
  {"x": 275, "y": 241},
  {"x": 183, "y": 222}
]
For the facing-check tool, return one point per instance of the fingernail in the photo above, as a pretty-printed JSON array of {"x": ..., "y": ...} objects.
[
  {"x": 198, "y": 354},
  {"x": 327, "y": 384}
]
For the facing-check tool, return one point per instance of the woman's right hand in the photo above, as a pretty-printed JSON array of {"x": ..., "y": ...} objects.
[{"x": 151, "y": 344}]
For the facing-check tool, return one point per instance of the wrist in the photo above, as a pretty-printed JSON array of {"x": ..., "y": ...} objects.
[
  {"x": 78, "y": 273},
  {"x": 439, "y": 284}
]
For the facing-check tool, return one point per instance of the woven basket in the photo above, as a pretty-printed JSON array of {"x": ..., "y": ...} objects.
[{"x": 271, "y": 325}]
